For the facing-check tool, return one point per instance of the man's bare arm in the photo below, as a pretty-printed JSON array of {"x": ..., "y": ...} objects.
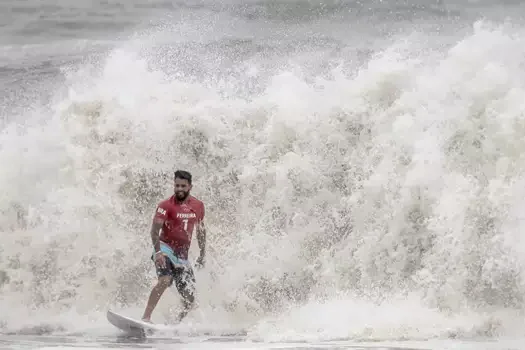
[
  {"x": 155, "y": 233},
  {"x": 201, "y": 238}
]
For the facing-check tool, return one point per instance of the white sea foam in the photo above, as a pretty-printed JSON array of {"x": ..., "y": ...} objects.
[{"x": 381, "y": 203}]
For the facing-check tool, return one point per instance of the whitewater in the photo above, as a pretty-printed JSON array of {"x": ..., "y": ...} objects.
[{"x": 361, "y": 166}]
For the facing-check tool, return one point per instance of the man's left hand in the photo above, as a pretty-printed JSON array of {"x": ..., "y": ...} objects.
[{"x": 200, "y": 262}]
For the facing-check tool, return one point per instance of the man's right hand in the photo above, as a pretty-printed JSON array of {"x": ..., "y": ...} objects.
[{"x": 160, "y": 260}]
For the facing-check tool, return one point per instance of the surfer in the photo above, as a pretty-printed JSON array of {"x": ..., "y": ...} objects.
[{"x": 171, "y": 232}]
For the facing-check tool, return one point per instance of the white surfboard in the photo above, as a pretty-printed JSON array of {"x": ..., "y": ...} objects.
[
  {"x": 130, "y": 325},
  {"x": 140, "y": 328}
]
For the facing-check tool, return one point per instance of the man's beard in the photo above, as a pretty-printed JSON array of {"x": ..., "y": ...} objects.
[{"x": 181, "y": 195}]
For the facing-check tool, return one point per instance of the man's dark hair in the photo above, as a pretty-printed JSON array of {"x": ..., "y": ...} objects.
[{"x": 184, "y": 175}]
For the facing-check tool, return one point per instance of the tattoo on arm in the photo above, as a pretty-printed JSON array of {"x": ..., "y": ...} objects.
[
  {"x": 201, "y": 238},
  {"x": 155, "y": 234}
]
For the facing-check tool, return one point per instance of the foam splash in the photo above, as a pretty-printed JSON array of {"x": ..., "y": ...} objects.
[{"x": 397, "y": 186}]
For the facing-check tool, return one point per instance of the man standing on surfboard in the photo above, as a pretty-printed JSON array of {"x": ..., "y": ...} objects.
[{"x": 177, "y": 217}]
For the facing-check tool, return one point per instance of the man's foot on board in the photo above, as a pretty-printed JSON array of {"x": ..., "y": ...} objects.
[{"x": 147, "y": 320}]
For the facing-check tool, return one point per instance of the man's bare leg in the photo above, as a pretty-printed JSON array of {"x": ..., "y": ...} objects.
[
  {"x": 154, "y": 297},
  {"x": 187, "y": 302}
]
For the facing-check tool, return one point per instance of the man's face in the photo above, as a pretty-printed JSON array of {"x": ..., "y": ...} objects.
[{"x": 182, "y": 189}]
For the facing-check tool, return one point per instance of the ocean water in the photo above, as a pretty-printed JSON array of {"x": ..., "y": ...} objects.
[{"x": 361, "y": 164}]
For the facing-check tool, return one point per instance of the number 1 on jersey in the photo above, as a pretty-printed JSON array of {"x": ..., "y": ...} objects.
[{"x": 185, "y": 221}]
